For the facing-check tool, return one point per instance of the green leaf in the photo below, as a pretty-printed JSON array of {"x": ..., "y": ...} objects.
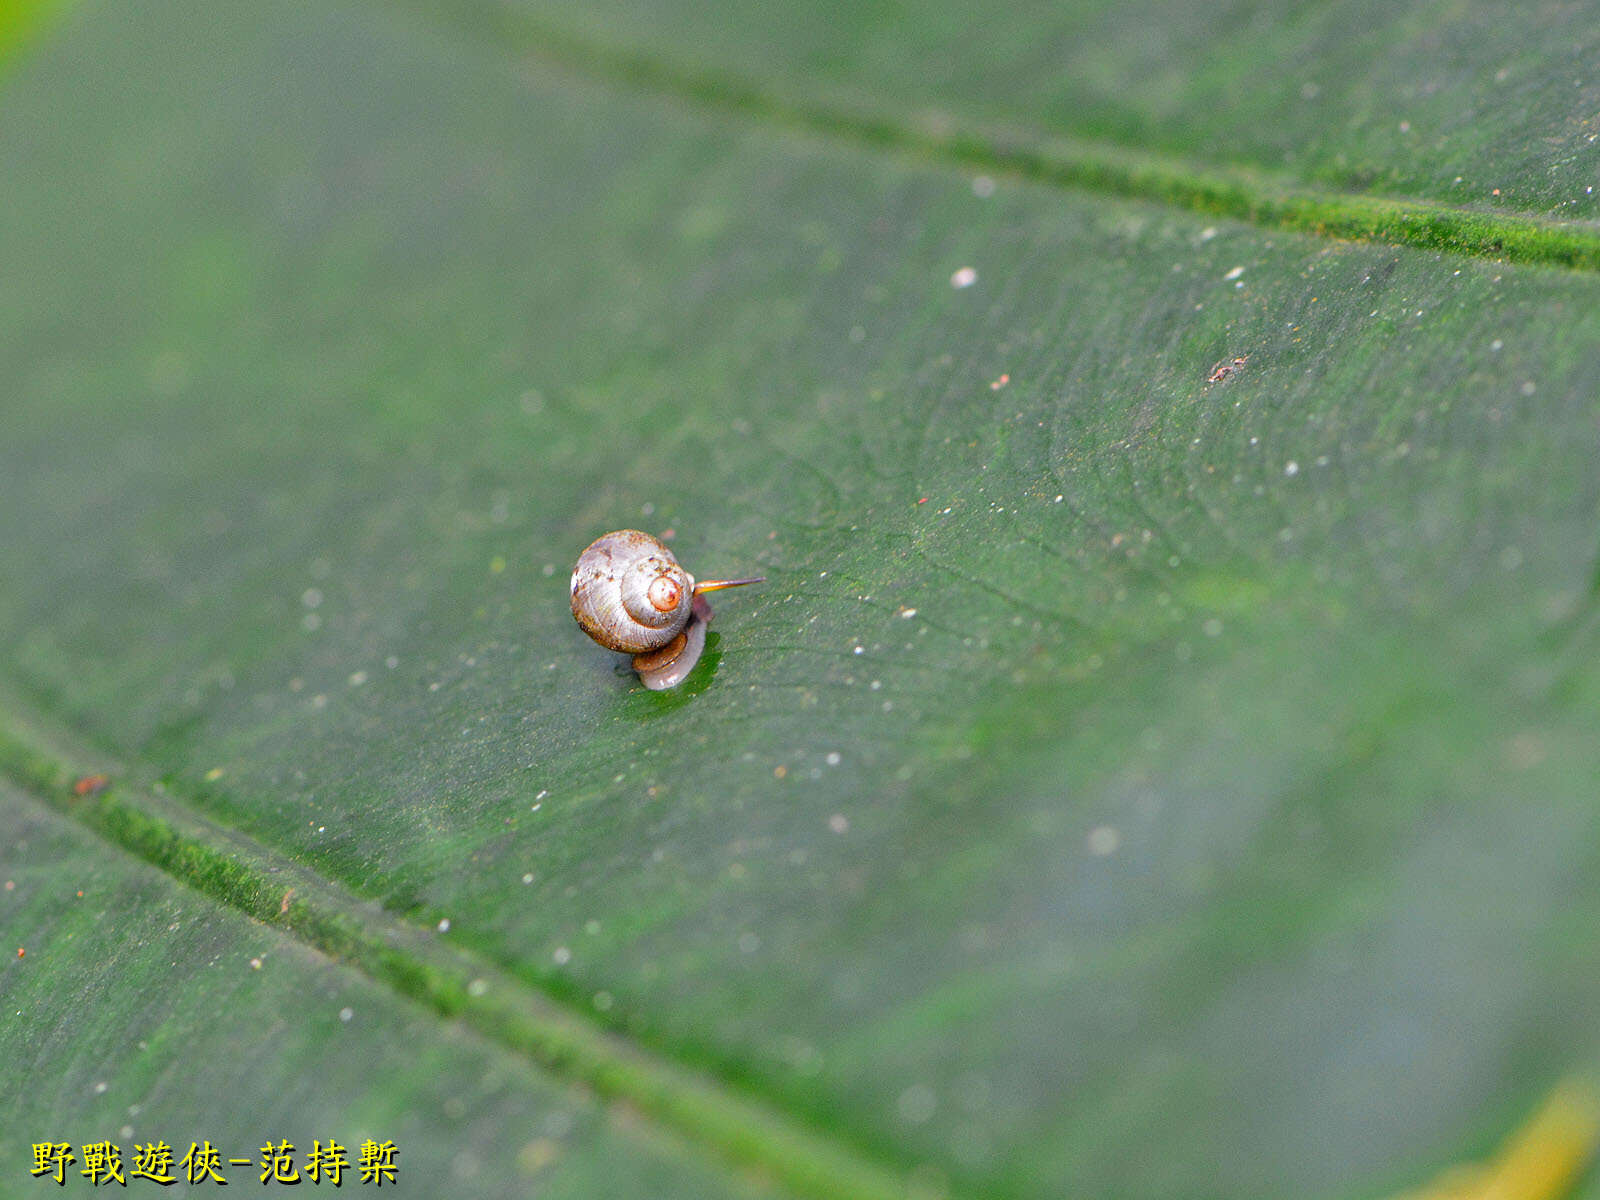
[
  {"x": 1135, "y": 778},
  {"x": 1491, "y": 106},
  {"x": 144, "y": 1013}
]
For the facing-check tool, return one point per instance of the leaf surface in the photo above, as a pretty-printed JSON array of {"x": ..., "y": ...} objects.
[{"x": 1133, "y": 779}]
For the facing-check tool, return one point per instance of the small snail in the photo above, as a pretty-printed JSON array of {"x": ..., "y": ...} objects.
[{"x": 629, "y": 594}]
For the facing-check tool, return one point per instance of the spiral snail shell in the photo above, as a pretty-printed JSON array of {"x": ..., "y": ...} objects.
[{"x": 629, "y": 594}]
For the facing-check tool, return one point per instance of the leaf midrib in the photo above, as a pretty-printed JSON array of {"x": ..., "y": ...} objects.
[
  {"x": 1233, "y": 191},
  {"x": 43, "y": 759}
]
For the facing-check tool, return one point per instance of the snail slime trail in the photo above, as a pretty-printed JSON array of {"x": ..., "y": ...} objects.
[{"x": 630, "y": 595}]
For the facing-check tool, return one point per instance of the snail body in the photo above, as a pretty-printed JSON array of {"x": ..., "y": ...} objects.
[{"x": 630, "y": 594}]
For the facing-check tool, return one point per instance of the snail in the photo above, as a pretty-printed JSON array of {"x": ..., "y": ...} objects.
[{"x": 630, "y": 595}]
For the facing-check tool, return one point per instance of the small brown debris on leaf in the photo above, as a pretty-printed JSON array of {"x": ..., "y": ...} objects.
[
  {"x": 283, "y": 906},
  {"x": 91, "y": 785},
  {"x": 1226, "y": 367}
]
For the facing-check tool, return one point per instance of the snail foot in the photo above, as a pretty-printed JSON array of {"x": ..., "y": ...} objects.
[{"x": 666, "y": 667}]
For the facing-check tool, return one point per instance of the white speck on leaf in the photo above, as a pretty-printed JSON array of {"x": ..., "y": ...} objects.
[
  {"x": 917, "y": 1103},
  {"x": 1103, "y": 840}
]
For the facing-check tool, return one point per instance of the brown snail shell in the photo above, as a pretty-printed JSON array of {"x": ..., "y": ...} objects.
[{"x": 630, "y": 594}]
